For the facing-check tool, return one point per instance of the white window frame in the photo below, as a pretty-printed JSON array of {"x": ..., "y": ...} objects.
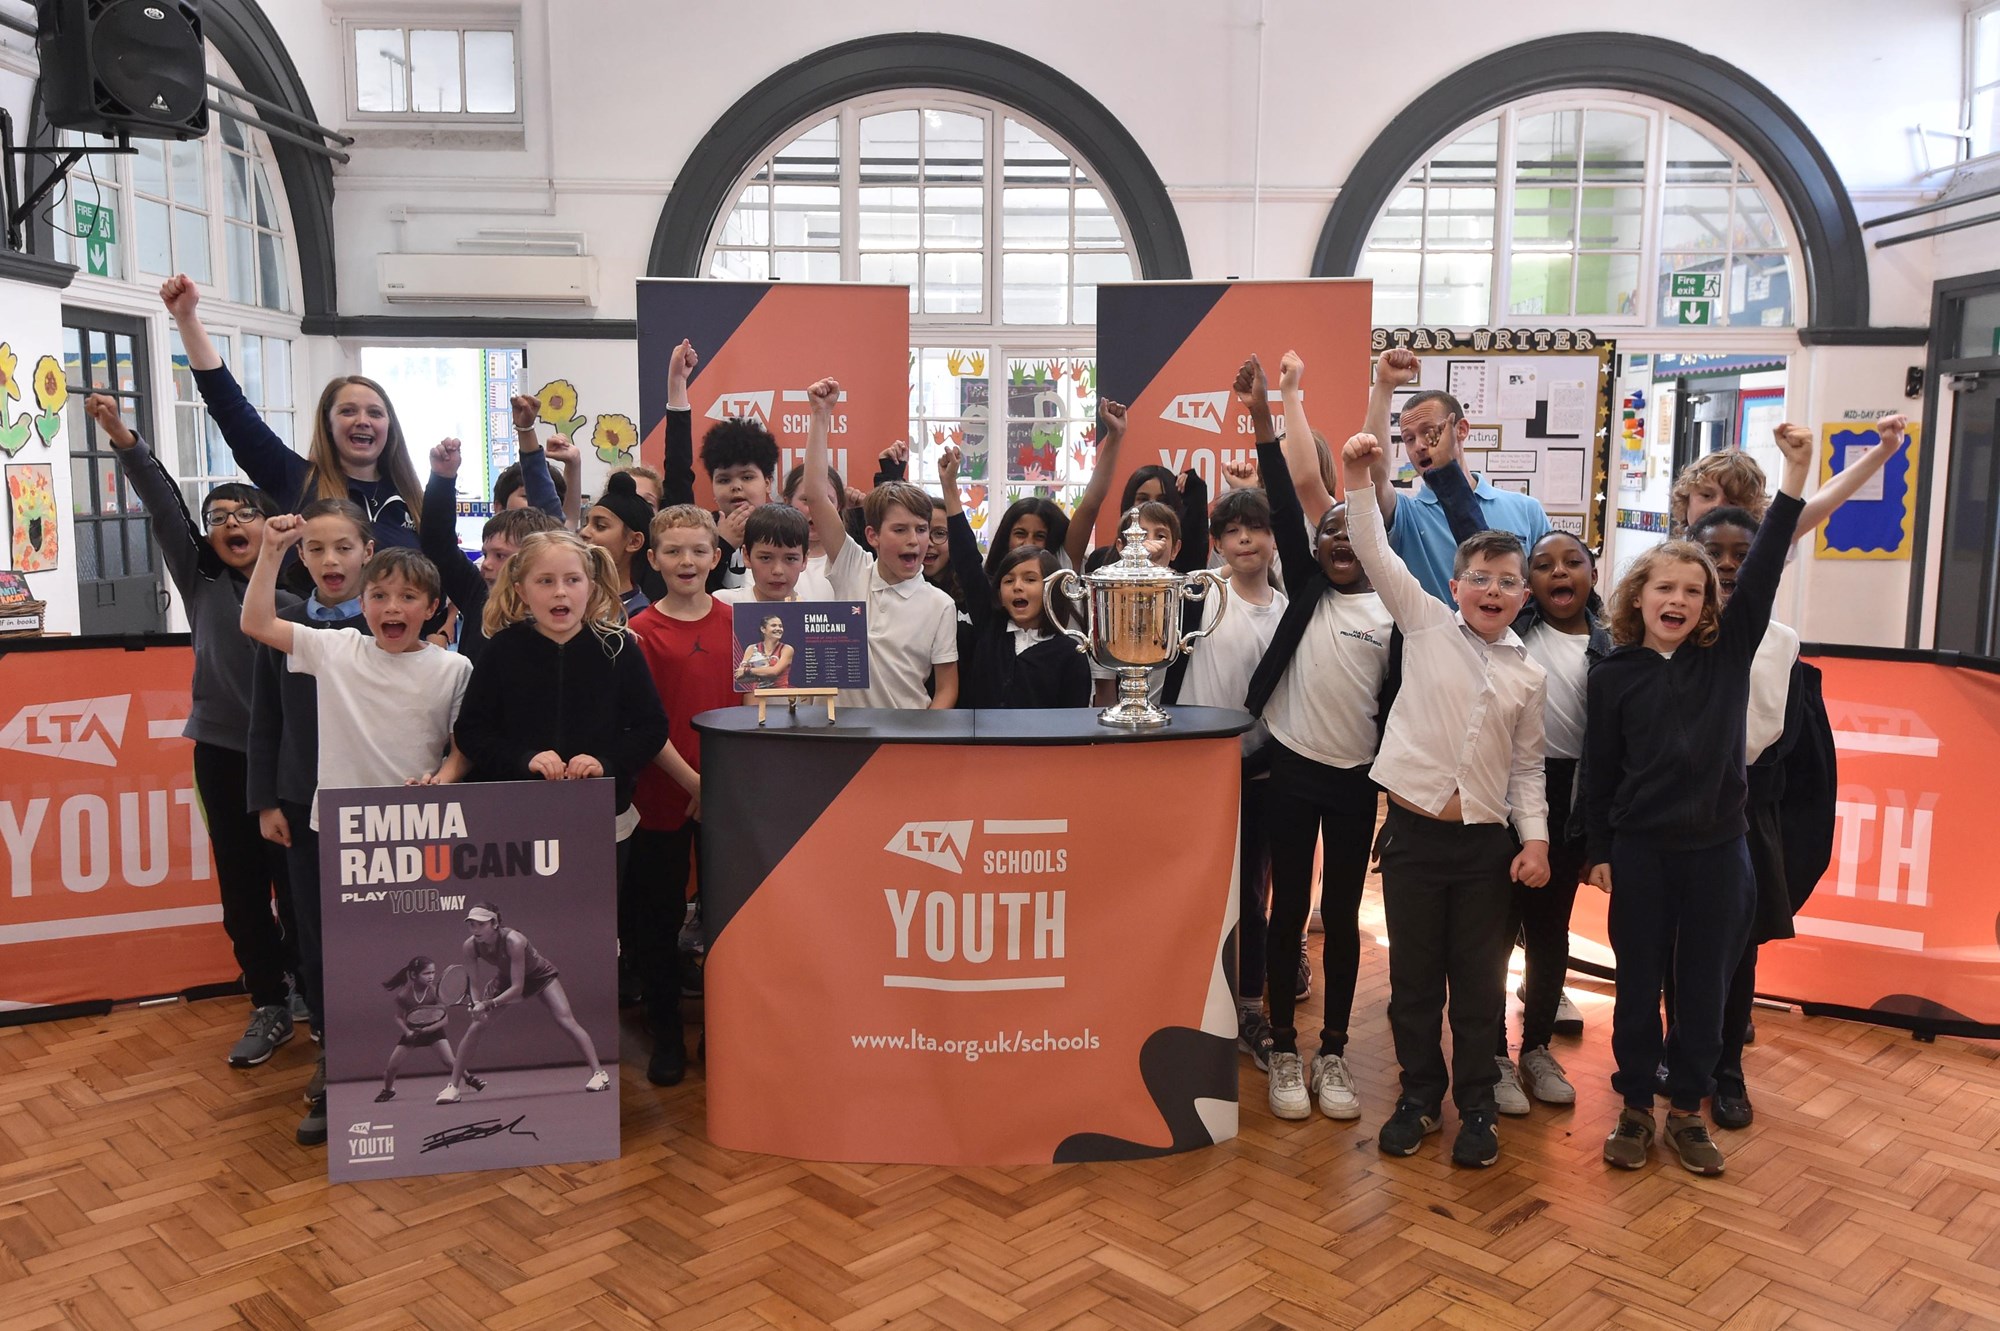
[
  {"x": 1645, "y": 318},
  {"x": 1968, "y": 147},
  {"x": 473, "y": 19}
]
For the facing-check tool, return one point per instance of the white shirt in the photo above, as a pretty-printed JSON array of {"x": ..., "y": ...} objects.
[
  {"x": 1562, "y": 656},
  {"x": 912, "y": 626},
  {"x": 1324, "y": 705},
  {"x": 1468, "y": 718},
  {"x": 1770, "y": 689},
  {"x": 384, "y": 716},
  {"x": 1220, "y": 665},
  {"x": 813, "y": 583},
  {"x": 1025, "y": 638}
]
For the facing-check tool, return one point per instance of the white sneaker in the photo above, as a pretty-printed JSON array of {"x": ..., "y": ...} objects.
[
  {"x": 1508, "y": 1097},
  {"x": 1544, "y": 1078},
  {"x": 1569, "y": 1021},
  {"x": 1333, "y": 1087},
  {"x": 449, "y": 1095},
  {"x": 600, "y": 1080},
  {"x": 1288, "y": 1087}
]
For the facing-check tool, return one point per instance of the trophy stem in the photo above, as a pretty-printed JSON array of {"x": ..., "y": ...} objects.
[{"x": 1132, "y": 710}]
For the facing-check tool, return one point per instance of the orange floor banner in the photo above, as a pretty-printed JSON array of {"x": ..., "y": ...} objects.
[
  {"x": 110, "y": 891},
  {"x": 1904, "y": 926},
  {"x": 974, "y": 954},
  {"x": 761, "y": 345}
]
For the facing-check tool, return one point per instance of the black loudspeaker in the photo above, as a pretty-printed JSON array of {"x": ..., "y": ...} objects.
[{"x": 135, "y": 67}]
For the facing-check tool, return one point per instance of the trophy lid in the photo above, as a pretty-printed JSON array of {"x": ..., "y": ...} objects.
[{"x": 1133, "y": 568}]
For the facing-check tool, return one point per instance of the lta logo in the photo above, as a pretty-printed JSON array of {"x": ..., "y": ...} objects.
[
  {"x": 942, "y": 845},
  {"x": 88, "y": 730}
]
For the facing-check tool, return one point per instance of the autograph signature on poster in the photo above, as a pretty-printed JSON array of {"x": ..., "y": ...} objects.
[{"x": 472, "y": 1132}]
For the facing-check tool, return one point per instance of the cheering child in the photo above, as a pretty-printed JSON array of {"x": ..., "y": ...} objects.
[
  {"x": 1731, "y": 478},
  {"x": 775, "y": 538},
  {"x": 208, "y": 570},
  {"x": 1109, "y": 435},
  {"x": 813, "y": 583},
  {"x": 739, "y": 455},
  {"x": 617, "y": 524},
  {"x": 1031, "y": 520},
  {"x": 1665, "y": 795},
  {"x": 502, "y": 535},
  {"x": 415, "y": 987}
]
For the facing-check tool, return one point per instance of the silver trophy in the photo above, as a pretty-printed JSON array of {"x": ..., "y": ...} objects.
[{"x": 1132, "y": 623}]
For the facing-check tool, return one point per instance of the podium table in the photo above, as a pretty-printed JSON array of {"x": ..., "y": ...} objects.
[{"x": 969, "y": 937}]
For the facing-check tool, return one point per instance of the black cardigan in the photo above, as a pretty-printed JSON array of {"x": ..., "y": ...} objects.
[{"x": 530, "y": 693}]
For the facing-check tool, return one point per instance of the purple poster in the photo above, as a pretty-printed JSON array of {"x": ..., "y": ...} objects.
[
  {"x": 801, "y": 645},
  {"x": 470, "y": 938}
]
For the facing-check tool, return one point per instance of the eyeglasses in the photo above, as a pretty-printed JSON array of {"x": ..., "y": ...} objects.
[
  {"x": 231, "y": 517},
  {"x": 1480, "y": 580}
]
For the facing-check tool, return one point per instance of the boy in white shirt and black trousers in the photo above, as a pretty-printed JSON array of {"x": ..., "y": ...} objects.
[{"x": 1461, "y": 758}]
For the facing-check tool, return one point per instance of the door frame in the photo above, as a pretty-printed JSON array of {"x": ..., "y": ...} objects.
[
  {"x": 1947, "y": 300},
  {"x": 143, "y": 421}
]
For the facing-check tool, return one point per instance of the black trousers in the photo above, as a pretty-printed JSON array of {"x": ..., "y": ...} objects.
[
  {"x": 1312, "y": 803},
  {"x": 302, "y": 868},
  {"x": 249, "y": 872},
  {"x": 1686, "y": 912},
  {"x": 1446, "y": 893},
  {"x": 658, "y": 878},
  {"x": 1767, "y": 866},
  {"x": 1253, "y": 888},
  {"x": 1540, "y": 916}
]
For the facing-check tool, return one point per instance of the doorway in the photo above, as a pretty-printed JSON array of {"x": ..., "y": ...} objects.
[{"x": 117, "y": 568}]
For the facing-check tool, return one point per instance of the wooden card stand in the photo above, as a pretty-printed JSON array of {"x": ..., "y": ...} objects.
[{"x": 765, "y": 697}]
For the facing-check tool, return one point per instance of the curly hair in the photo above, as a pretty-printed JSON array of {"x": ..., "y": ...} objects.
[
  {"x": 734, "y": 441},
  {"x": 1731, "y": 471},
  {"x": 1628, "y": 625},
  {"x": 604, "y": 613}
]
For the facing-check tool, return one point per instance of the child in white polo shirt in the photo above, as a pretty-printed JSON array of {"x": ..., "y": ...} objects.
[{"x": 912, "y": 626}]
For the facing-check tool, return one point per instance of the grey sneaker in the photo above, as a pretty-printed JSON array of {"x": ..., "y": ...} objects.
[
  {"x": 1543, "y": 1077},
  {"x": 269, "y": 1028},
  {"x": 1697, "y": 1150},
  {"x": 1508, "y": 1097},
  {"x": 1333, "y": 1087},
  {"x": 1631, "y": 1141},
  {"x": 312, "y": 1128},
  {"x": 1253, "y": 1036},
  {"x": 297, "y": 1004},
  {"x": 316, "y": 1087},
  {"x": 1288, "y": 1087}
]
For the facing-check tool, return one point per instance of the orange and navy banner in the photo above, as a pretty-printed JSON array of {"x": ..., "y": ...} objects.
[
  {"x": 761, "y": 345},
  {"x": 110, "y": 891},
  {"x": 1169, "y": 351},
  {"x": 962, "y": 958},
  {"x": 1904, "y": 923}
]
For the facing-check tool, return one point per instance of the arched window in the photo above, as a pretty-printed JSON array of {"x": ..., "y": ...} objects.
[
  {"x": 1607, "y": 209},
  {"x": 1002, "y": 232}
]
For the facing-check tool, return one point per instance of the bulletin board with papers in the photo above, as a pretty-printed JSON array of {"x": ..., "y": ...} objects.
[{"x": 1539, "y": 420}]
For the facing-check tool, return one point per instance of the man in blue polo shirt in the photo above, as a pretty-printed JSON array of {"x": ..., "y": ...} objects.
[{"x": 1433, "y": 429}]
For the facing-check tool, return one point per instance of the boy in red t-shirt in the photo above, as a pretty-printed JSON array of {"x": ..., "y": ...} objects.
[{"x": 690, "y": 648}]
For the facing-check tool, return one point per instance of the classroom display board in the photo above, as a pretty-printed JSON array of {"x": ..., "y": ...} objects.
[
  {"x": 1540, "y": 408},
  {"x": 110, "y": 889},
  {"x": 1903, "y": 924},
  {"x": 1169, "y": 351},
  {"x": 762, "y": 344},
  {"x": 1876, "y": 521},
  {"x": 408, "y": 877}
]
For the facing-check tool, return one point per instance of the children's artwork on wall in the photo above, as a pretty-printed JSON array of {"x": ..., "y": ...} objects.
[
  {"x": 614, "y": 439},
  {"x": 51, "y": 391},
  {"x": 559, "y": 407},
  {"x": 1876, "y": 522},
  {"x": 31, "y": 503}
]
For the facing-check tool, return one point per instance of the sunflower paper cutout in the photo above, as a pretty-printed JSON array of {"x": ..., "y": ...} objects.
[
  {"x": 558, "y": 406},
  {"x": 14, "y": 435},
  {"x": 51, "y": 391},
  {"x": 8, "y": 362},
  {"x": 614, "y": 439}
]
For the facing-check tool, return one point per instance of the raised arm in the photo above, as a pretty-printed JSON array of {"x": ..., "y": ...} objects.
[
  {"x": 1393, "y": 369},
  {"x": 266, "y": 459},
  {"x": 968, "y": 567},
  {"x": 1408, "y": 603},
  {"x": 1841, "y": 486},
  {"x": 1749, "y": 611},
  {"x": 260, "y": 598},
  {"x": 893, "y": 463},
  {"x": 1301, "y": 456},
  {"x": 825, "y": 516},
  {"x": 174, "y": 531},
  {"x": 536, "y": 482},
  {"x": 179, "y": 294},
  {"x": 1083, "y": 522},
  {"x": 1193, "y": 556},
  {"x": 677, "y": 467},
  {"x": 1287, "y": 519},
  {"x": 1461, "y": 509},
  {"x": 437, "y": 535},
  {"x": 562, "y": 449}
]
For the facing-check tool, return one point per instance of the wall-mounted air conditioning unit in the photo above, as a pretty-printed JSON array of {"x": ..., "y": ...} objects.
[{"x": 489, "y": 279}]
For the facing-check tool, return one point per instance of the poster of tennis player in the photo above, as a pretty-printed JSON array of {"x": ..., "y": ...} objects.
[
  {"x": 801, "y": 645},
  {"x": 470, "y": 942}
]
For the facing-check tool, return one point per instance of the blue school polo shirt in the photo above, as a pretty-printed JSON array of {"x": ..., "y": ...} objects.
[{"x": 1421, "y": 535}]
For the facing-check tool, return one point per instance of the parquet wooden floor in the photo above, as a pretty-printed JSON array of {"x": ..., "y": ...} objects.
[{"x": 145, "y": 1184}]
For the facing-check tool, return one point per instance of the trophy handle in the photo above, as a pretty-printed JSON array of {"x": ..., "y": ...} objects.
[
  {"x": 1199, "y": 587},
  {"x": 1066, "y": 584}
]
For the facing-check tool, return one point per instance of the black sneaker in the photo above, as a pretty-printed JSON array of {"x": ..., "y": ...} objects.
[
  {"x": 1254, "y": 1037},
  {"x": 384, "y": 1096},
  {"x": 312, "y": 1128},
  {"x": 1406, "y": 1129},
  {"x": 691, "y": 973},
  {"x": 1305, "y": 988},
  {"x": 1731, "y": 1109},
  {"x": 1478, "y": 1142},
  {"x": 473, "y": 1083},
  {"x": 669, "y": 1062}
]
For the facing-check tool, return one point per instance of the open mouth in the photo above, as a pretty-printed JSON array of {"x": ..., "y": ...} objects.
[
  {"x": 333, "y": 582},
  {"x": 392, "y": 630},
  {"x": 559, "y": 613},
  {"x": 1018, "y": 606},
  {"x": 237, "y": 544},
  {"x": 1672, "y": 619}
]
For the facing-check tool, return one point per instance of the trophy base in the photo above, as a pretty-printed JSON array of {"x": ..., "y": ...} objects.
[{"x": 1133, "y": 710}]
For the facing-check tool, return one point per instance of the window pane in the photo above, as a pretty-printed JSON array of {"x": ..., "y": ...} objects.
[
  {"x": 191, "y": 244},
  {"x": 813, "y": 155},
  {"x": 1539, "y": 284},
  {"x": 281, "y": 425},
  {"x": 251, "y": 367},
  {"x": 1545, "y": 145},
  {"x": 1613, "y": 218},
  {"x": 1458, "y": 289},
  {"x": 267, "y": 208},
  {"x": 897, "y": 269},
  {"x": 1471, "y": 157},
  {"x": 277, "y": 373},
  {"x": 1029, "y": 157},
  {"x": 149, "y": 167},
  {"x": 1695, "y": 219},
  {"x": 888, "y": 217},
  {"x": 379, "y": 63},
  {"x": 889, "y": 146},
  {"x": 220, "y": 462},
  {"x": 1092, "y": 269},
  {"x": 750, "y": 222},
  {"x": 1401, "y": 224},
  {"x": 1985, "y": 122},
  {"x": 1692, "y": 157},
  {"x": 1035, "y": 289},
  {"x": 805, "y": 266},
  {"x": 805, "y": 214},
  {"x": 242, "y": 263},
  {"x": 271, "y": 272},
  {"x": 954, "y": 283},
  {"x": 187, "y": 438},
  {"x": 113, "y": 561},
  {"x": 954, "y": 146},
  {"x": 1614, "y": 146},
  {"x": 741, "y": 265},
  {"x": 236, "y": 186},
  {"x": 124, "y": 368},
  {"x": 189, "y": 177},
  {"x": 1460, "y": 218},
  {"x": 1395, "y": 277},
  {"x": 434, "y": 82},
  {"x": 232, "y": 128},
  {"x": 1094, "y": 223},
  {"x": 1756, "y": 228},
  {"x": 1986, "y": 48},
  {"x": 1664, "y": 303},
  {"x": 954, "y": 218},
  {"x": 1607, "y": 284},
  {"x": 1760, "y": 291},
  {"x": 177, "y": 359},
  {"x": 156, "y": 253},
  {"x": 1544, "y": 218},
  {"x": 1034, "y": 218},
  {"x": 489, "y": 73}
]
